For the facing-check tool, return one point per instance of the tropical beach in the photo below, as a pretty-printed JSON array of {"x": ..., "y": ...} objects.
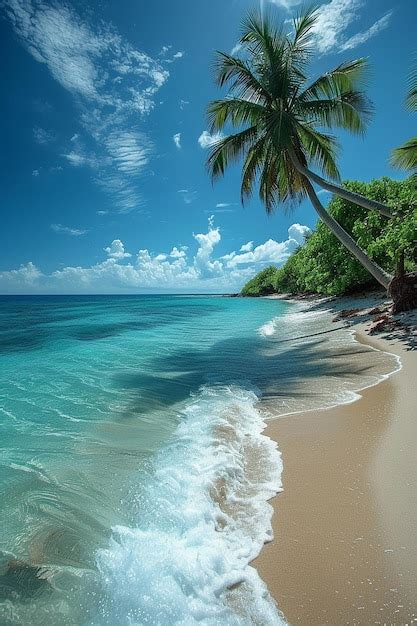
[
  {"x": 344, "y": 525},
  {"x": 208, "y": 313}
]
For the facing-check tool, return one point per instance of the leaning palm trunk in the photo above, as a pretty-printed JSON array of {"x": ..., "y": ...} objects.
[
  {"x": 350, "y": 196},
  {"x": 281, "y": 117},
  {"x": 345, "y": 239}
]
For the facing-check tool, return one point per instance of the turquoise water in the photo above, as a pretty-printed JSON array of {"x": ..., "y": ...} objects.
[{"x": 134, "y": 475}]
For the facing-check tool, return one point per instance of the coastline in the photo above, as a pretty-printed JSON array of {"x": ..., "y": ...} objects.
[{"x": 344, "y": 549}]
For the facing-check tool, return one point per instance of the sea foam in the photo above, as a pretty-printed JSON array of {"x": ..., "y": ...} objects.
[{"x": 203, "y": 516}]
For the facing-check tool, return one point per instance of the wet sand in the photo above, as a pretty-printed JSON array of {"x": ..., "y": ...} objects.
[{"x": 345, "y": 526}]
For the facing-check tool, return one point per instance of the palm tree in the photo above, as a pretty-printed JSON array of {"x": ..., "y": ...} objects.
[
  {"x": 279, "y": 115},
  {"x": 405, "y": 157}
]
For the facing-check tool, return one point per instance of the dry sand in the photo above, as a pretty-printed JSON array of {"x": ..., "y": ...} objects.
[{"x": 345, "y": 547}]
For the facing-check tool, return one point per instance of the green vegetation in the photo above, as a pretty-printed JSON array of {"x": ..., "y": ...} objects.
[
  {"x": 322, "y": 265},
  {"x": 405, "y": 157},
  {"x": 262, "y": 284}
]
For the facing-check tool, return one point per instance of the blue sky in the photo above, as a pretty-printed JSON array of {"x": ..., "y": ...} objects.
[{"x": 104, "y": 139}]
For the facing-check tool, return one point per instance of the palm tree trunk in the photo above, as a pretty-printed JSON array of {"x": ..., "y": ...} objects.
[
  {"x": 350, "y": 196},
  {"x": 377, "y": 272}
]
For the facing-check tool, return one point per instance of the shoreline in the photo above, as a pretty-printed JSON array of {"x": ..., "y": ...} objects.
[{"x": 344, "y": 549}]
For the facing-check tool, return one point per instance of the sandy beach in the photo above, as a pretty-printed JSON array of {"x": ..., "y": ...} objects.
[{"x": 345, "y": 548}]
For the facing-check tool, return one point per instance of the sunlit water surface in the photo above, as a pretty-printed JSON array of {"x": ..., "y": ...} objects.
[{"x": 134, "y": 476}]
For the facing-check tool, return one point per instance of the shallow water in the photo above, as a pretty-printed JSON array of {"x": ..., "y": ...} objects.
[{"x": 133, "y": 470}]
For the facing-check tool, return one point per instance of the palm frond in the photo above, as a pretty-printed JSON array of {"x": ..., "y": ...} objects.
[
  {"x": 350, "y": 111},
  {"x": 301, "y": 46},
  {"x": 234, "y": 110},
  {"x": 268, "y": 182},
  {"x": 242, "y": 81},
  {"x": 347, "y": 77},
  {"x": 252, "y": 167},
  {"x": 228, "y": 150},
  {"x": 268, "y": 49},
  {"x": 279, "y": 125},
  {"x": 261, "y": 34},
  {"x": 411, "y": 100},
  {"x": 319, "y": 148},
  {"x": 405, "y": 157}
]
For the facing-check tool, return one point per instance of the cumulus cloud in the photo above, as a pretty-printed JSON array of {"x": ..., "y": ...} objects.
[
  {"x": 247, "y": 247},
  {"x": 179, "y": 269},
  {"x": 12, "y": 281},
  {"x": 177, "y": 140},
  {"x": 116, "y": 250},
  {"x": 66, "y": 230},
  {"x": 269, "y": 252},
  {"x": 207, "y": 242},
  {"x": 298, "y": 233},
  {"x": 113, "y": 84},
  {"x": 178, "y": 253},
  {"x": 206, "y": 140}
]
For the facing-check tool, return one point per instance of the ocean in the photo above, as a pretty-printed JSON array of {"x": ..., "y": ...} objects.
[{"x": 134, "y": 475}]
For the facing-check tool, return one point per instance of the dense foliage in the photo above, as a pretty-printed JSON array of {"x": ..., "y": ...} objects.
[{"x": 322, "y": 265}]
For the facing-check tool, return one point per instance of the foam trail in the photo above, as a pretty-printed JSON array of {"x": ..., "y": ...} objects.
[
  {"x": 267, "y": 329},
  {"x": 204, "y": 516}
]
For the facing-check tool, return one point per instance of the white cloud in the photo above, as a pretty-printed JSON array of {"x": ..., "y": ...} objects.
[
  {"x": 177, "y": 140},
  {"x": 116, "y": 250},
  {"x": 66, "y": 230},
  {"x": 183, "y": 104},
  {"x": 298, "y": 232},
  {"x": 124, "y": 272},
  {"x": 286, "y": 4},
  {"x": 247, "y": 247},
  {"x": 271, "y": 251},
  {"x": 360, "y": 38},
  {"x": 78, "y": 159},
  {"x": 188, "y": 195},
  {"x": 113, "y": 83},
  {"x": 129, "y": 151},
  {"x": 335, "y": 17},
  {"x": 206, "y": 140},
  {"x": 35, "y": 173},
  {"x": 235, "y": 49},
  {"x": 43, "y": 136},
  {"x": 26, "y": 277},
  {"x": 207, "y": 242},
  {"x": 164, "y": 51},
  {"x": 223, "y": 205},
  {"x": 178, "y": 253}
]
